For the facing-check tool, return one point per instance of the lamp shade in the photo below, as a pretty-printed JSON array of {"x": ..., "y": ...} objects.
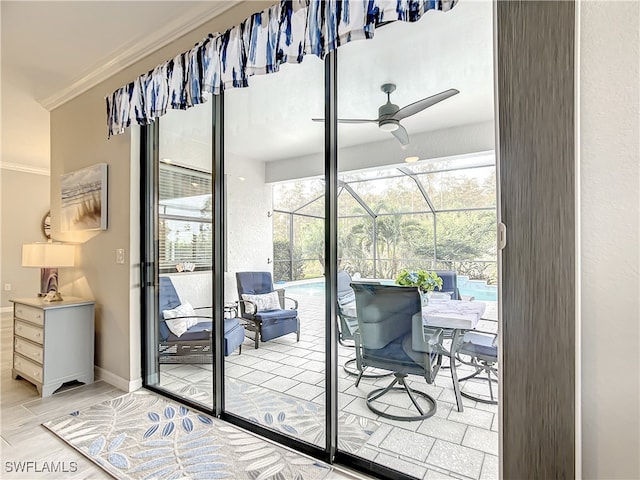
[{"x": 48, "y": 255}]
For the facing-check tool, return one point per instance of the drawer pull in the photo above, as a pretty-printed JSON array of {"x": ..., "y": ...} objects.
[{"x": 38, "y": 335}]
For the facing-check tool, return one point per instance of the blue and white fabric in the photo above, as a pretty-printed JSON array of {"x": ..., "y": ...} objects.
[{"x": 283, "y": 33}]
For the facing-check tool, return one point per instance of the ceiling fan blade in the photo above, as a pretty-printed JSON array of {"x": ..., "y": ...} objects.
[
  {"x": 420, "y": 105},
  {"x": 349, "y": 120},
  {"x": 401, "y": 134}
]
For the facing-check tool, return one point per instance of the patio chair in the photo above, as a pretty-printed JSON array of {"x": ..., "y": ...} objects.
[
  {"x": 263, "y": 308},
  {"x": 348, "y": 324},
  {"x": 449, "y": 283},
  {"x": 480, "y": 351},
  {"x": 384, "y": 340},
  {"x": 187, "y": 336}
]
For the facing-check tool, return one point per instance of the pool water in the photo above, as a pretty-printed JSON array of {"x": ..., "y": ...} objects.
[{"x": 473, "y": 288}]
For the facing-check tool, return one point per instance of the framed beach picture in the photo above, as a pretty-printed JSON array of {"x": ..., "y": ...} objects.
[{"x": 84, "y": 199}]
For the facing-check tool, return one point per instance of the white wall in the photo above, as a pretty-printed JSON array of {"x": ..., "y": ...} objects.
[
  {"x": 24, "y": 187},
  {"x": 609, "y": 215},
  {"x": 460, "y": 140},
  {"x": 24, "y": 201},
  {"x": 25, "y": 137},
  {"x": 79, "y": 139},
  {"x": 249, "y": 229}
]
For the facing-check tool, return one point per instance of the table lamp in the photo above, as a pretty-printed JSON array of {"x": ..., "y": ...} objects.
[{"x": 48, "y": 257}]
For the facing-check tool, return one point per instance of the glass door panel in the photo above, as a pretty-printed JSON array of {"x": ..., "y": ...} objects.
[
  {"x": 274, "y": 275},
  {"x": 183, "y": 252},
  {"x": 416, "y": 195}
]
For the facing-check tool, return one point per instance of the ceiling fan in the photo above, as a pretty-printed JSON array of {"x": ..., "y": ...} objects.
[{"x": 389, "y": 115}]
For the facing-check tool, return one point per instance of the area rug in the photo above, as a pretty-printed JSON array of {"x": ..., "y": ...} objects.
[
  {"x": 141, "y": 435},
  {"x": 287, "y": 414}
]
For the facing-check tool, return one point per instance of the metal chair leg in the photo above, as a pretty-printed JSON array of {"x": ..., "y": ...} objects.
[
  {"x": 456, "y": 385},
  {"x": 413, "y": 395},
  {"x": 358, "y": 379},
  {"x": 488, "y": 369}
]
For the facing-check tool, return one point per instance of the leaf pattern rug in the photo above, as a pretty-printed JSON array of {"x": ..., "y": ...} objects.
[
  {"x": 292, "y": 416},
  {"x": 142, "y": 435}
]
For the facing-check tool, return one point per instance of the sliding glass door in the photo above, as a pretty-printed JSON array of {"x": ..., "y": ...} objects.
[
  {"x": 274, "y": 259},
  {"x": 416, "y": 192},
  {"x": 179, "y": 254}
]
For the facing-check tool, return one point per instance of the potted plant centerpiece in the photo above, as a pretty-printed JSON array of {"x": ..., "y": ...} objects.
[{"x": 424, "y": 280}]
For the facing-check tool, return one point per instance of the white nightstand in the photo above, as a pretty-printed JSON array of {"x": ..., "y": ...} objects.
[{"x": 53, "y": 342}]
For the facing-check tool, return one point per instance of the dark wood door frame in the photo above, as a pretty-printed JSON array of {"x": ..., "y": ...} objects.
[{"x": 536, "y": 86}]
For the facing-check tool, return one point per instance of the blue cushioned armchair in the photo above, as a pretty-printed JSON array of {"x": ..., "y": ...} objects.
[
  {"x": 193, "y": 346},
  {"x": 271, "y": 323}
]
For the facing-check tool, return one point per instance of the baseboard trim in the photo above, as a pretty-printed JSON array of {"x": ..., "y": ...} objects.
[{"x": 117, "y": 381}]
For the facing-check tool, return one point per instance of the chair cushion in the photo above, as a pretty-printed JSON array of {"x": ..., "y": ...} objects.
[
  {"x": 167, "y": 300},
  {"x": 263, "y": 302},
  {"x": 345, "y": 292},
  {"x": 200, "y": 331},
  {"x": 180, "y": 319},
  {"x": 254, "y": 283},
  {"x": 449, "y": 283},
  {"x": 269, "y": 317},
  {"x": 476, "y": 350},
  {"x": 233, "y": 337},
  {"x": 230, "y": 324},
  {"x": 393, "y": 357}
]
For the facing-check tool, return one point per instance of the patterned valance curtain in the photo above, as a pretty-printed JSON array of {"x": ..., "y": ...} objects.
[{"x": 283, "y": 33}]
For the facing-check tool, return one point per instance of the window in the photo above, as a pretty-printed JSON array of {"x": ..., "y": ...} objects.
[{"x": 184, "y": 218}]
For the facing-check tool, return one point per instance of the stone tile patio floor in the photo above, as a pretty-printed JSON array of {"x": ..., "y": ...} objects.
[{"x": 450, "y": 444}]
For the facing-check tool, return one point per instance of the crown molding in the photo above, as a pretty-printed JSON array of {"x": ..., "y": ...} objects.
[
  {"x": 136, "y": 49},
  {"x": 24, "y": 168}
]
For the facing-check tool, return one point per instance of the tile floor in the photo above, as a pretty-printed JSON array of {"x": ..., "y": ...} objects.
[
  {"x": 27, "y": 448},
  {"x": 450, "y": 444}
]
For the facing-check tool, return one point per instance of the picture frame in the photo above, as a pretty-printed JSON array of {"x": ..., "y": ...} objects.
[{"x": 83, "y": 203}]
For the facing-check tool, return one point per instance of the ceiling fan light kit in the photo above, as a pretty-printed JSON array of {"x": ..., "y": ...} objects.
[
  {"x": 388, "y": 126},
  {"x": 389, "y": 114}
]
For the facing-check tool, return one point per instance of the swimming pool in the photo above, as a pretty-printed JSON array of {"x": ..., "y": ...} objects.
[{"x": 473, "y": 288}]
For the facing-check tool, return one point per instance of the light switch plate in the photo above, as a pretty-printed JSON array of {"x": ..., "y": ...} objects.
[{"x": 119, "y": 255}]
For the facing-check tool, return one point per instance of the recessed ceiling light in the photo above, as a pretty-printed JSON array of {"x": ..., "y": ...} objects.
[
  {"x": 242, "y": 179},
  {"x": 194, "y": 184},
  {"x": 166, "y": 160},
  {"x": 412, "y": 159}
]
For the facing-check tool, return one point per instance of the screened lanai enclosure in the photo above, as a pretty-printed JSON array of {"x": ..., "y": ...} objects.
[
  {"x": 434, "y": 215},
  {"x": 245, "y": 205}
]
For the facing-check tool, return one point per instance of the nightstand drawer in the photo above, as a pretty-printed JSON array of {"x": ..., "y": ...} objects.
[
  {"x": 30, "y": 314},
  {"x": 30, "y": 332},
  {"x": 27, "y": 368},
  {"x": 28, "y": 349}
]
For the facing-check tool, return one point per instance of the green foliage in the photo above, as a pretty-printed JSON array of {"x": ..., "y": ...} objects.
[
  {"x": 283, "y": 269},
  {"x": 424, "y": 280},
  {"x": 402, "y": 233}
]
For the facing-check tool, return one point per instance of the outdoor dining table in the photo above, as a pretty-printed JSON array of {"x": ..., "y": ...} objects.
[{"x": 453, "y": 316}]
